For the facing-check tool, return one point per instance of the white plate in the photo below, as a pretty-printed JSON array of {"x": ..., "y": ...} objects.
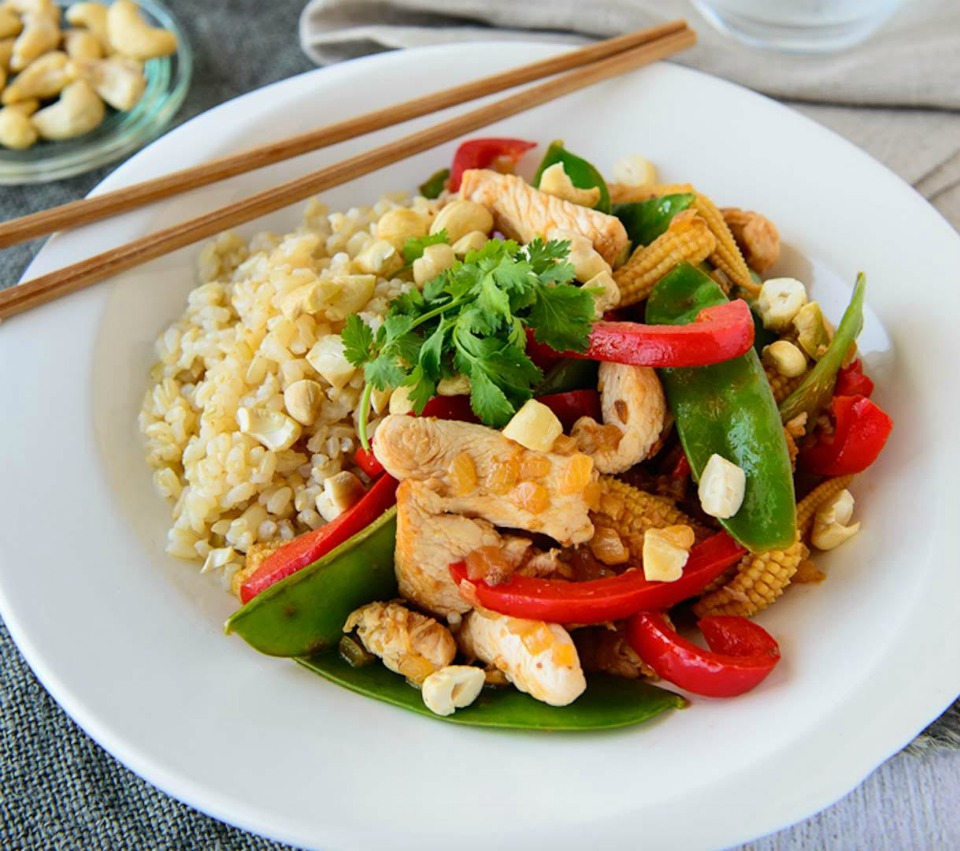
[{"x": 129, "y": 641}]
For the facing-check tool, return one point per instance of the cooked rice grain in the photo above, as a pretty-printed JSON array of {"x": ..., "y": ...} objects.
[{"x": 246, "y": 335}]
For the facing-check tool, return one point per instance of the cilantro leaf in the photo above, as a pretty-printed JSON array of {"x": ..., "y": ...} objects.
[
  {"x": 384, "y": 372},
  {"x": 562, "y": 317},
  {"x": 357, "y": 340},
  {"x": 473, "y": 319},
  {"x": 413, "y": 247},
  {"x": 488, "y": 401}
]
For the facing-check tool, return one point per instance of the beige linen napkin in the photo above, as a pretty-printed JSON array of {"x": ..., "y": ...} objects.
[{"x": 897, "y": 96}]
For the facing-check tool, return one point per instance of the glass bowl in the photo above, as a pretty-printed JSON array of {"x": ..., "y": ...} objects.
[{"x": 120, "y": 133}]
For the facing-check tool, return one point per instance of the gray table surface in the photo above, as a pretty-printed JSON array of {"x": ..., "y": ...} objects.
[{"x": 59, "y": 790}]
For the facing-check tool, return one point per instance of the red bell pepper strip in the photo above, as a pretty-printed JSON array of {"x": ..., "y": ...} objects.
[
  {"x": 599, "y": 600},
  {"x": 307, "y": 548},
  {"x": 719, "y": 333},
  {"x": 483, "y": 153},
  {"x": 741, "y": 653},
  {"x": 861, "y": 429},
  {"x": 852, "y": 382},
  {"x": 368, "y": 462},
  {"x": 450, "y": 408},
  {"x": 572, "y": 405}
]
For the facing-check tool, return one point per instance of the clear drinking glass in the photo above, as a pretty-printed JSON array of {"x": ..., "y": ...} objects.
[{"x": 800, "y": 26}]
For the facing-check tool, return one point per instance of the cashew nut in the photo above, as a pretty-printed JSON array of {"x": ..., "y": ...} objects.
[
  {"x": 586, "y": 260},
  {"x": 91, "y": 17},
  {"x": 119, "y": 81},
  {"x": 31, "y": 7},
  {"x": 6, "y": 51},
  {"x": 303, "y": 400},
  {"x": 273, "y": 429},
  {"x": 435, "y": 260},
  {"x": 473, "y": 241},
  {"x": 44, "y": 78},
  {"x": 397, "y": 226},
  {"x": 82, "y": 44},
  {"x": 379, "y": 257},
  {"x": 343, "y": 490},
  {"x": 555, "y": 181},
  {"x": 78, "y": 111},
  {"x": 41, "y": 33},
  {"x": 10, "y": 24},
  {"x": 461, "y": 217},
  {"x": 16, "y": 131},
  {"x": 130, "y": 35},
  {"x": 452, "y": 688}
]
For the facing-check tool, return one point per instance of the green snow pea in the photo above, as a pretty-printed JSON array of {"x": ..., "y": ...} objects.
[
  {"x": 608, "y": 701},
  {"x": 728, "y": 409},
  {"x": 646, "y": 220},
  {"x": 816, "y": 389},
  {"x": 582, "y": 174},
  {"x": 304, "y": 613},
  {"x": 434, "y": 184}
]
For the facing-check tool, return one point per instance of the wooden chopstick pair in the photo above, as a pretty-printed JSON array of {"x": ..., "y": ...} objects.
[{"x": 577, "y": 69}]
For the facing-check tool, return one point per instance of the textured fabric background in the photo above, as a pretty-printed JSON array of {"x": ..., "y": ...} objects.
[{"x": 59, "y": 790}]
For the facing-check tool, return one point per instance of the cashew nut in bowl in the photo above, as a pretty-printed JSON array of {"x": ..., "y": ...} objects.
[
  {"x": 10, "y": 25},
  {"x": 78, "y": 111},
  {"x": 119, "y": 81},
  {"x": 44, "y": 78},
  {"x": 634, "y": 410},
  {"x": 82, "y": 44},
  {"x": 131, "y": 36},
  {"x": 92, "y": 17},
  {"x": 16, "y": 130},
  {"x": 41, "y": 34}
]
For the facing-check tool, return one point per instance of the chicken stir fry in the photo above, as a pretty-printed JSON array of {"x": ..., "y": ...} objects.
[{"x": 598, "y": 476}]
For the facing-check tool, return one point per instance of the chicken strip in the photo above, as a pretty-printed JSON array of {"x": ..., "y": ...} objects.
[
  {"x": 634, "y": 412},
  {"x": 480, "y": 473},
  {"x": 538, "y": 658},
  {"x": 428, "y": 542},
  {"x": 409, "y": 643},
  {"x": 523, "y": 212}
]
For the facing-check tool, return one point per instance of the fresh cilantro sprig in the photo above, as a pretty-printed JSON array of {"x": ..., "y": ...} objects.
[{"x": 473, "y": 319}]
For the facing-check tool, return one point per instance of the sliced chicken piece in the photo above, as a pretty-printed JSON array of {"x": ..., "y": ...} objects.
[
  {"x": 480, "y": 473},
  {"x": 634, "y": 411},
  {"x": 428, "y": 542},
  {"x": 522, "y": 213},
  {"x": 409, "y": 643},
  {"x": 538, "y": 658}
]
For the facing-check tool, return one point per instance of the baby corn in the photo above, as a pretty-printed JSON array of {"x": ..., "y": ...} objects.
[
  {"x": 726, "y": 256},
  {"x": 688, "y": 238},
  {"x": 780, "y": 384},
  {"x": 760, "y": 579},
  {"x": 630, "y": 512}
]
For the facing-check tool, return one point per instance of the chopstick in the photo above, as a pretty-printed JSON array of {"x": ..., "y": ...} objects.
[
  {"x": 85, "y": 211},
  {"x": 48, "y": 287}
]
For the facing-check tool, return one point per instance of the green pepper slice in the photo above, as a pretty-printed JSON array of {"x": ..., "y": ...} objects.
[
  {"x": 608, "y": 701},
  {"x": 646, "y": 220},
  {"x": 304, "y": 613},
  {"x": 582, "y": 174},
  {"x": 728, "y": 409},
  {"x": 816, "y": 389},
  {"x": 434, "y": 184}
]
